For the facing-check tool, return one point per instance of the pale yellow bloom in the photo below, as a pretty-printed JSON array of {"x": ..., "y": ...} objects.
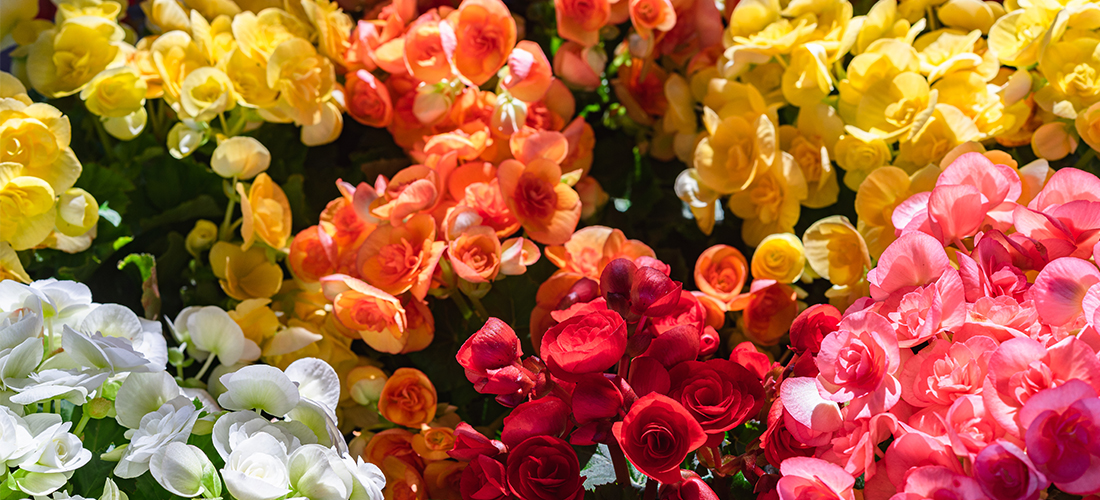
[
  {"x": 1019, "y": 36},
  {"x": 945, "y": 51},
  {"x": 883, "y": 60},
  {"x": 812, "y": 157},
  {"x": 701, "y": 200},
  {"x": 779, "y": 257},
  {"x": 37, "y": 138},
  {"x": 108, "y": 10},
  {"x": 12, "y": 14},
  {"x": 258, "y": 35},
  {"x": 735, "y": 152},
  {"x": 771, "y": 204},
  {"x": 12, "y": 88},
  {"x": 970, "y": 14},
  {"x": 883, "y": 190},
  {"x": 881, "y": 21},
  {"x": 212, "y": 9},
  {"x": 214, "y": 39},
  {"x": 63, "y": 60},
  {"x": 807, "y": 79},
  {"x": 1088, "y": 126},
  {"x": 77, "y": 212},
  {"x": 859, "y": 153},
  {"x": 115, "y": 92},
  {"x": 751, "y": 16},
  {"x": 245, "y": 274},
  {"x": 249, "y": 77},
  {"x": 26, "y": 208},
  {"x": 206, "y": 93},
  {"x": 175, "y": 56},
  {"x": 304, "y": 79},
  {"x": 892, "y": 107},
  {"x": 946, "y": 128},
  {"x": 328, "y": 127},
  {"x": 332, "y": 26},
  {"x": 266, "y": 213},
  {"x": 1072, "y": 70},
  {"x": 10, "y": 266},
  {"x": 836, "y": 251},
  {"x": 163, "y": 16},
  {"x": 240, "y": 157},
  {"x": 201, "y": 237}
]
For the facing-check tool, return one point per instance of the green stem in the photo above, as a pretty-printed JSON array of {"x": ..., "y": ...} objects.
[
  {"x": 84, "y": 418},
  {"x": 456, "y": 295},
  {"x": 103, "y": 137},
  {"x": 225, "y": 126},
  {"x": 205, "y": 366},
  {"x": 479, "y": 307},
  {"x": 226, "y": 231}
]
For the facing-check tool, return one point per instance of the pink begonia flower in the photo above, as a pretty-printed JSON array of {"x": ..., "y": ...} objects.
[
  {"x": 955, "y": 212},
  {"x": 914, "y": 259},
  {"x": 917, "y": 449},
  {"x": 1066, "y": 185},
  {"x": 1090, "y": 306},
  {"x": 810, "y": 418},
  {"x": 989, "y": 271},
  {"x": 858, "y": 363},
  {"x": 1020, "y": 368},
  {"x": 1060, "y": 289},
  {"x": 1005, "y": 473},
  {"x": 911, "y": 215},
  {"x": 918, "y": 313},
  {"x": 814, "y": 479},
  {"x": 998, "y": 183},
  {"x": 855, "y": 447},
  {"x": 969, "y": 426},
  {"x": 1001, "y": 318},
  {"x": 1067, "y": 230},
  {"x": 945, "y": 371},
  {"x": 1063, "y": 436},
  {"x": 937, "y": 483}
]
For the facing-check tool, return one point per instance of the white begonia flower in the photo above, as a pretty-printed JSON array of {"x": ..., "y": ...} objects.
[
  {"x": 111, "y": 491},
  {"x": 112, "y": 320},
  {"x": 63, "y": 302},
  {"x": 242, "y": 157},
  {"x": 321, "y": 421},
  {"x": 257, "y": 469},
  {"x": 143, "y": 393},
  {"x": 58, "y": 451},
  {"x": 171, "y": 423},
  {"x": 318, "y": 473},
  {"x": 262, "y": 387},
  {"x": 209, "y": 330},
  {"x": 367, "y": 479},
  {"x": 16, "y": 440},
  {"x": 288, "y": 340},
  {"x": 72, "y": 386},
  {"x": 234, "y": 428},
  {"x": 214, "y": 385},
  {"x": 17, "y": 363},
  {"x": 181, "y": 468},
  {"x": 112, "y": 354},
  {"x": 316, "y": 380},
  {"x": 18, "y": 326}
]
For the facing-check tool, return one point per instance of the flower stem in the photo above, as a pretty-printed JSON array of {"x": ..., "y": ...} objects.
[
  {"x": 479, "y": 307},
  {"x": 226, "y": 232},
  {"x": 456, "y": 295},
  {"x": 84, "y": 418},
  {"x": 618, "y": 459},
  {"x": 205, "y": 366}
]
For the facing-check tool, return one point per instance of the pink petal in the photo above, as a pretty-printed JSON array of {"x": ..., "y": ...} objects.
[
  {"x": 1056, "y": 399},
  {"x": 915, "y": 259},
  {"x": 1060, "y": 288},
  {"x": 1064, "y": 186},
  {"x": 997, "y": 182},
  {"x": 802, "y": 400},
  {"x": 956, "y": 212}
]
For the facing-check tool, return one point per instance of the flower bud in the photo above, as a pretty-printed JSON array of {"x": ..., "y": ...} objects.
[
  {"x": 365, "y": 384},
  {"x": 653, "y": 293},
  {"x": 241, "y": 157},
  {"x": 615, "y": 285},
  {"x": 99, "y": 408},
  {"x": 201, "y": 237},
  {"x": 432, "y": 103},
  {"x": 583, "y": 291},
  {"x": 183, "y": 469},
  {"x": 77, "y": 212}
]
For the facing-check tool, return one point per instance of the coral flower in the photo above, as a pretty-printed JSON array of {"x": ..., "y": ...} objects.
[
  {"x": 648, "y": 16},
  {"x": 590, "y": 249},
  {"x": 424, "y": 54},
  {"x": 397, "y": 259},
  {"x": 580, "y": 20},
  {"x": 478, "y": 38},
  {"x": 476, "y": 254},
  {"x": 368, "y": 100},
  {"x": 529, "y": 72},
  {"x": 548, "y": 209},
  {"x": 720, "y": 272},
  {"x": 408, "y": 399},
  {"x": 310, "y": 257}
]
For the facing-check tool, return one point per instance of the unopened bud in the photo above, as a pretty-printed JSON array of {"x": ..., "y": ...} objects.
[{"x": 366, "y": 383}]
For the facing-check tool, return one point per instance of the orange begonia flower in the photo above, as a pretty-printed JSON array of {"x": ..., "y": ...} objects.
[
  {"x": 396, "y": 443},
  {"x": 529, "y": 143},
  {"x": 581, "y": 20},
  {"x": 648, "y": 16},
  {"x": 421, "y": 329},
  {"x": 266, "y": 213},
  {"x": 444, "y": 479},
  {"x": 590, "y": 249},
  {"x": 477, "y": 38},
  {"x": 424, "y": 56},
  {"x": 475, "y": 254},
  {"x": 408, "y": 399},
  {"x": 767, "y": 311},
  {"x": 397, "y": 259},
  {"x": 720, "y": 272},
  {"x": 582, "y": 140},
  {"x": 433, "y": 443},
  {"x": 367, "y": 99},
  {"x": 412, "y": 190},
  {"x": 310, "y": 256},
  {"x": 378, "y": 317},
  {"x": 641, "y": 89},
  {"x": 402, "y": 481},
  {"x": 547, "y": 209},
  {"x": 529, "y": 72}
]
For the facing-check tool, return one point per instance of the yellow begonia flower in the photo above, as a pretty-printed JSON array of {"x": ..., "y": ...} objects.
[
  {"x": 751, "y": 16},
  {"x": 1072, "y": 70},
  {"x": 107, "y": 10},
  {"x": 812, "y": 157},
  {"x": 915, "y": 10},
  {"x": 259, "y": 34},
  {"x": 115, "y": 92},
  {"x": 807, "y": 79},
  {"x": 836, "y": 251},
  {"x": 256, "y": 319},
  {"x": 66, "y": 58},
  {"x": 779, "y": 257},
  {"x": 201, "y": 237},
  {"x": 767, "y": 78},
  {"x": 141, "y": 60},
  {"x": 162, "y": 16},
  {"x": 878, "y": 195},
  {"x": 735, "y": 152},
  {"x": 206, "y": 93},
  {"x": 240, "y": 157},
  {"x": 37, "y": 138},
  {"x": 891, "y": 108},
  {"x": 266, "y": 213},
  {"x": 945, "y": 51},
  {"x": 1019, "y": 36},
  {"x": 12, "y": 14},
  {"x": 214, "y": 39},
  {"x": 245, "y": 274},
  {"x": 175, "y": 56},
  {"x": 978, "y": 100},
  {"x": 327, "y": 129},
  {"x": 772, "y": 203},
  {"x": 730, "y": 98},
  {"x": 212, "y": 9},
  {"x": 946, "y": 128},
  {"x": 1088, "y": 126},
  {"x": 304, "y": 79},
  {"x": 779, "y": 37},
  {"x": 842, "y": 297},
  {"x": 880, "y": 22},
  {"x": 883, "y": 60},
  {"x": 701, "y": 200},
  {"x": 10, "y": 266},
  {"x": 12, "y": 88},
  {"x": 680, "y": 117},
  {"x": 859, "y": 153},
  {"x": 249, "y": 77},
  {"x": 970, "y": 14},
  {"x": 332, "y": 26},
  {"x": 26, "y": 208},
  {"x": 77, "y": 212}
]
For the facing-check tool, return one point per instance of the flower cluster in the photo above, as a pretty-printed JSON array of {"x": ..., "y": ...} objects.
[
  {"x": 668, "y": 396},
  {"x": 38, "y": 169},
  {"x": 974, "y": 358},
  {"x": 70, "y": 365}
]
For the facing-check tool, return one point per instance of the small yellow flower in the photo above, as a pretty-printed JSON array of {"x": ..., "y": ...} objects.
[
  {"x": 12, "y": 88},
  {"x": 970, "y": 14},
  {"x": 946, "y": 128},
  {"x": 1019, "y": 36},
  {"x": 206, "y": 93},
  {"x": 63, "y": 60},
  {"x": 163, "y": 16},
  {"x": 882, "y": 21},
  {"x": 771, "y": 204},
  {"x": 807, "y": 79},
  {"x": 108, "y": 10},
  {"x": 859, "y": 153},
  {"x": 256, "y": 319},
  {"x": 779, "y": 257},
  {"x": 241, "y": 157},
  {"x": 1088, "y": 126},
  {"x": 26, "y": 206},
  {"x": 259, "y": 34},
  {"x": 245, "y": 274},
  {"x": 10, "y": 266},
  {"x": 214, "y": 39},
  {"x": 266, "y": 213},
  {"x": 115, "y": 92},
  {"x": 12, "y": 14},
  {"x": 212, "y": 9},
  {"x": 883, "y": 60},
  {"x": 249, "y": 77},
  {"x": 77, "y": 212},
  {"x": 175, "y": 56},
  {"x": 37, "y": 137},
  {"x": 894, "y": 106},
  {"x": 735, "y": 152},
  {"x": 304, "y": 79},
  {"x": 836, "y": 251},
  {"x": 332, "y": 26},
  {"x": 944, "y": 51},
  {"x": 201, "y": 237},
  {"x": 1072, "y": 70}
]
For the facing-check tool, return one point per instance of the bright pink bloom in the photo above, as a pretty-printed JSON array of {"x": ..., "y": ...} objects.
[
  {"x": 860, "y": 362},
  {"x": 945, "y": 371},
  {"x": 1060, "y": 289},
  {"x": 1063, "y": 436},
  {"x": 1005, "y": 473},
  {"x": 915, "y": 259},
  {"x": 1000, "y": 318},
  {"x": 989, "y": 270},
  {"x": 856, "y": 446},
  {"x": 1066, "y": 185},
  {"x": 938, "y": 483},
  {"x": 918, "y": 313},
  {"x": 1020, "y": 368},
  {"x": 917, "y": 449},
  {"x": 814, "y": 479},
  {"x": 810, "y": 418},
  {"x": 969, "y": 427}
]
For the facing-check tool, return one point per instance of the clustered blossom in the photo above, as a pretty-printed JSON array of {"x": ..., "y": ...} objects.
[{"x": 975, "y": 357}]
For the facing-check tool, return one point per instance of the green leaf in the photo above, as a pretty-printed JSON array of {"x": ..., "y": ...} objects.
[
  {"x": 203, "y": 206},
  {"x": 109, "y": 214},
  {"x": 599, "y": 469}
]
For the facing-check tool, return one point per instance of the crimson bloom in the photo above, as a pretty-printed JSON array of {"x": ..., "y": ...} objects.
[
  {"x": 657, "y": 435},
  {"x": 545, "y": 468},
  {"x": 719, "y": 394},
  {"x": 584, "y": 344}
]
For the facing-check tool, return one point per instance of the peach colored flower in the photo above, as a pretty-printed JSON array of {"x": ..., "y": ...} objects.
[
  {"x": 547, "y": 209},
  {"x": 367, "y": 99},
  {"x": 433, "y": 443},
  {"x": 580, "y": 67},
  {"x": 767, "y": 311},
  {"x": 580, "y": 21},
  {"x": 312, "y": 255},
  {"x": 408, "y": 399},
  {"x": 648, "y": 16},
  {"x": 397, "y": 259},
  {"x": 590, "y": 249},
  {"x": 477, "y": 38},
  {"x": 529, "y": 72},
  {"x": 396, "y": 443},
  {"x": 475, "y": 254},
  {"x": 720, "y": 272},
  {"x": 378, "y": 317},
  {"x": 640, "y": 87},
  {"x": 424, "y": 54}
]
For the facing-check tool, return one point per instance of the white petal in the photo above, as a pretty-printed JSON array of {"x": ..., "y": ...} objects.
[
  {"x": 112, "y": 320},
  {"x": 212, "y": 330},
  {"x": 259, "y": 386},
  {"x": 289, "y": 340},
  {"x": 316, "y": 380},
  {"x": 142, "y": 393}
]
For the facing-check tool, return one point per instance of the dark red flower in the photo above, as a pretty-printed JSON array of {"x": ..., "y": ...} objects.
[
  {"x": 548, "y": 416},
  {"x": 720, "y": 394},
  {"x": 584, "y": 344},
  {"x": 657, "y": 434},
  {"x": 484, "y": 479},
  {"x": 810, "y": 327},
  {"x": 545, "y": 468},
  {"x": 469, "y": 444}
]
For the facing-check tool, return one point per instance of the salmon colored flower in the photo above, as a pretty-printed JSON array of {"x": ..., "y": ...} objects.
[
  {"x": 475, "y": 254},
  {"x": 590, "y": 249},
  {"x": 424, "y": 56},
  {"x": 396, "y": 443},
  {"x": 397, "y": 259},
  {"x": 245, "y": 274},
  {"x": 310, "y": 257},
  {"x": 767, "y": 311},
  {"x": 414, "y": 189},
  {"x": 421, "y": 329},
  {"x": 266, "y": 213},
  {"x": 408, "y": 399},
  {"x": 529, "y": 72},
  {"x": 529, "y": 143},
  {"x": 648, "y": 16},
  {"x": 581, "y": 20},
  {"x": 367, "y": 100},
  {"x": 477, "y": 38},
  {"x": 433, "y": 443},
  {"x": 580, "y": 67},
  {"x": 720, "y": 272},
  {"x": 547, "y": 209},
  {"x": 640, "y": 87},
  {"x": 378, "y": 317},
  {"x": 444, "y": 479}
]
